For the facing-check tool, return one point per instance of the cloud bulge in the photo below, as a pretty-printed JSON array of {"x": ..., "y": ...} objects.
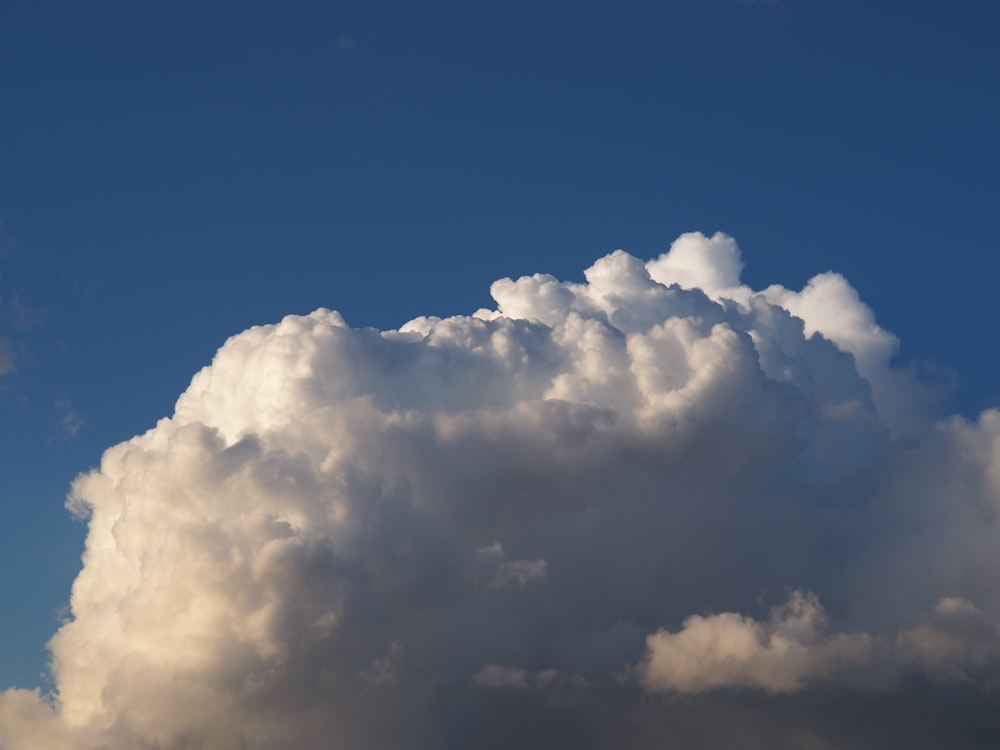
[{"x": 652, "y": 506}]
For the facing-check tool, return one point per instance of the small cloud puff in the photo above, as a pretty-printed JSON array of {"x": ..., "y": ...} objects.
[{"x": 793, "y": 649}]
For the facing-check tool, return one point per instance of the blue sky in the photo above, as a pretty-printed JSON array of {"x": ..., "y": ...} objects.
[{"x": 173, "y": 174}]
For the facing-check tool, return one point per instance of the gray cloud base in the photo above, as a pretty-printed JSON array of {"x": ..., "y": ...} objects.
[{"x": 653, "y": 508}]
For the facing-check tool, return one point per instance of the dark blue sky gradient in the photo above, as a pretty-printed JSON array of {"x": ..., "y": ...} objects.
[{"x": 173, "y": 173}]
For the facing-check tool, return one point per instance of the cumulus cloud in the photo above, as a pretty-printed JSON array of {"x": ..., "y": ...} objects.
[
  {"x": 712, "y": 264},
  {"x": 532, "y": 524},
  {"x": 731, "y": 650},
  {"x": 793, "y": 649}
]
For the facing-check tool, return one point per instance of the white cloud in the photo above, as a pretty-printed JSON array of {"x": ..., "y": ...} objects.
[
  {"x": 794, "y": 649},
  {"x": 731, "y": 650},
  {"x": 712, "y": 264},
  {"x": 341, "y": 524}
]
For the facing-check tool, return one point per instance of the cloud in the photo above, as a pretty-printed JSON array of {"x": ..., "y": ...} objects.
[
  {"x": 730, "y": 650},
  {"x": 69, "y": 418},
  {"x": 793, "y": 649},
  {"x": 495, "y": 676},
  {"x": 712, "y": 264},
  {"x": 542, "y": 524}
]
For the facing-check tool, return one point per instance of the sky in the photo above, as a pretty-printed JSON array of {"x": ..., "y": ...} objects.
[{"x": 479, "y": 521}]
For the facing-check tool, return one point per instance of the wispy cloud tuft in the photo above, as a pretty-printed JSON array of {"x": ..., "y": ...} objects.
[{"x": 69, "y": 419}]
